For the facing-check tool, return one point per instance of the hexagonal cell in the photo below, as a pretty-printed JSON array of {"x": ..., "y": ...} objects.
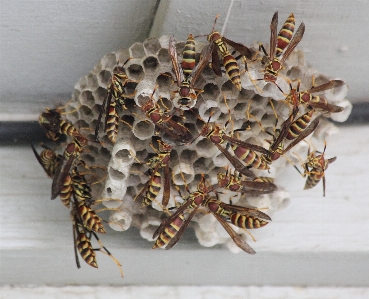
[
  {"x": 245, "y": 95},
  {"x": 152, "y": 46},
  {"x": 103, "y": 153},
  {"x": 122, "y": 55},
  {"x": 124, "y": 156},
  {"x": 104, "y": 77},
  {"x": 206, "y": 148},
  {"x": 164, "y": 81},
  {"x": 150, "y": 64},
  {"x": 211, "y": 92},
  {"x": 183, "y": 173},
  {"x": 294, "y": 73},
  {"x": 163, "y": 56},
  {"x": 228, "y": 87},
  {"x": 86, "y": 98},
  {"x": 109, "y": 61},
  {"x": 188, "y": 156},
  {"x": 135, "y": 72},
  {"x": 137, "y": 50},
  {"x": 100, "y": 95},
  {"x": 209, "y": 108},
  {"x": 143, "y": 129},
  {"x": 92, "y": 81}
]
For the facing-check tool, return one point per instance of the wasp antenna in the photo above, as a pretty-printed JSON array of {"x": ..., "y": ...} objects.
[{"x": 215, "y": 21}]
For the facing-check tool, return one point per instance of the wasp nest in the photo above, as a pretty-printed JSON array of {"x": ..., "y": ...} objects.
[{"x": 253, "y": 108}]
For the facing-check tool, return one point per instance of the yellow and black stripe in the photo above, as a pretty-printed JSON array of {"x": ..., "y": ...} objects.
[
  {"x": 247, "y": 222},
  {"x": 285, "y": 35},
  {"x": 299, "y": 125},
  {"x": 189, "y": 56}
]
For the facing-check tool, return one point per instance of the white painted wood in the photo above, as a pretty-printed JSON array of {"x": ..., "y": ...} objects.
[
  {"x": 315, "y": 241},
  {"x": 213, "y": 292}
]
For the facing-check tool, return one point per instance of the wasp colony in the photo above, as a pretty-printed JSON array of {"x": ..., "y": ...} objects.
[{"x": 168, "y": 134}]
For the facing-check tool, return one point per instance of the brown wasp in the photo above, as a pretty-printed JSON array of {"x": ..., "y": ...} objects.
[
  {"x": 186, "y": 81},
  {"x": 82, "y": 242},
  {"x": 164, "y": 121},
  {"x": 153, "y": 185},
  {"x": 170, "y": 230},
  {"x": 297, "y": 97},
  {"x": 243, "y": 217},
  {"x": 48, "y": 159},
  {"x": 278, "y": 45},
  {"x": 169, "y": 226},
  {"x": 116, "y": 98},
  {"x": 235, "y": 183},
  {"x": 277, "y": 146},
  {"x": 55, "y": 126},
  {"x": 71, "y": 153},
  {"x": 315, "y": 167},
  {"x": 229, "y": 61},
  {"x": 243, "y": 150}
]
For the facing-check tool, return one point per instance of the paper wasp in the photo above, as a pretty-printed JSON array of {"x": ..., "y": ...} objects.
[
  {"x": 297, "y": 97},
  {"x": 173, "y": 227},
  {"x": 243, "y": 150},
  {"x": 164, "y": 121},
  {"x": 235, "y": 183},
  {"x": 278, "y": 45},
  {"x": 55, "y": 126},
  {"x": 276, "y": 148},
  {"x": 153, "y": 185},
  {"x": 82, "y": 242},
  {"x": 186, "y": 81},
  {"x": 48, "y": 159},
  {"x": 116, "y": 97},
  {"x": 315, "y": 167},
  {"x": 243, "y": 217},
  {"x": 229, "y": 61},
  {"x": 71, "y": 153}
]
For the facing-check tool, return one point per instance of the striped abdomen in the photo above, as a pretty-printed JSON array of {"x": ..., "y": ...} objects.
[
  {"x": 247, "y": 222},
  {"x": 85, "y": 249},
  {"x": 313, "y": 179},
  {"x": 264, "y": 179},
  {"x": 66, "y": 191},
  {"x": 299, "y": 125},
  {"x": 189, "y": 55},
  {"x": 68, "y": 129},
  {"x": 81, "y": 190},
  {"x": 50, "y": 161},
  {"x": 169, "y": 232},
  {"x": 249, "y": 157},
  {"x": 232, "y": 69},
  {"x": 229, "y": 62},
  {"x": 285, "y": 35},
  {"x": 90, "y": 219},
  {"x": 153, "y": 189},
  {"x": 118, "y": 82},
  {"x": 112, "y": 121}
]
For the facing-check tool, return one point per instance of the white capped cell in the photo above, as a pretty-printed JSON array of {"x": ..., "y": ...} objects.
[{"x": 120, "y": 220}]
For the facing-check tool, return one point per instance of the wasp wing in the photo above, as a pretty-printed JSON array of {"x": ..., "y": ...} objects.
[{"x": 235, "y": 237}]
